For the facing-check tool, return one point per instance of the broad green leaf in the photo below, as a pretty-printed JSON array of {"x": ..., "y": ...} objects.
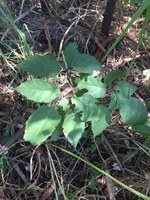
[
  {"x": 148, "y": 105},
  {"x": 70, "y": 52},
  {"x": 80, "y": 62},
  {"x": 104, "y": 119},
  {"x": 133, "y": 112},
  {"x": 64, "y": 103},
  {"x": 125, "y": 88},
  {"x": 41, "y": 65},
  {"x": 85, "y": 104},
  {"x": 113, "y": 75},
  {"x": 142, "y": 129},
  {"x": 85, "y": 63},
  {"x": 94, "y": 86},
  {"x": 39, "y": 90},
  {"x": 58, "y": 131},
  {"x": 116, "y": 100},
  {"x": 114, "y": 103},
  {"x": 41, "y": 124},
  {"x": 73, "y": 128}
]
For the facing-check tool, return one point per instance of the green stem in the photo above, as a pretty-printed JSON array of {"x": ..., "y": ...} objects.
[
  {"x": 145, "y": 22},
  {"x": 64, "y": 59},
  {"x": 140, "y": 10},
  {"x": 106, "y": 174},
  {"x": 26, "y": 48}
]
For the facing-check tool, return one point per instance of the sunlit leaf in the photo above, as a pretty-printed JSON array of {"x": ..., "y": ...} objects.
[
  {"x": 64, "y": 103},
  {"x": 41, "y": 124},
  {"x": 94, "y": 86},
  {"x": 80, "y": 62},
  {"x": 86, "y": 105},
  {"x": 73, "y": 128},
  {"x": 39, "y": 90},
  {"x": 103, "y": 121}
]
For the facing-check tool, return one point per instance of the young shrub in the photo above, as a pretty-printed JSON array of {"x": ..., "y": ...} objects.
[{"x": 71, "y": 116}]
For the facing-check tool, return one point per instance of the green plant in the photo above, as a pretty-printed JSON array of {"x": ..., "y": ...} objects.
[
  {"x": 139, "y": 2},
  {"x": 84, "y": 107},
  {"x": 133, "y": 1},
  {"x": 8, "y": 19},
  {"x": 144, "y": 6},
  {"x": 97, "y": 169}
]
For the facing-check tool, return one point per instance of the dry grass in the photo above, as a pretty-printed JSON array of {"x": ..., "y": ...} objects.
[{"x": 45, "y": 172}]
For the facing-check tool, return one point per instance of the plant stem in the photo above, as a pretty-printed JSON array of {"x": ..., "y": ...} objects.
[
  {"x": 106, "y": 174},
  {"x": 138, "y": 13}
]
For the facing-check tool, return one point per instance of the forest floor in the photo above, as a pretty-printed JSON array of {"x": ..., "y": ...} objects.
[{"x": 45, "y": 172}]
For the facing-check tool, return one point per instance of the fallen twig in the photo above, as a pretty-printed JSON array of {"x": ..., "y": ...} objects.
[{"x": 12, "y": 141}]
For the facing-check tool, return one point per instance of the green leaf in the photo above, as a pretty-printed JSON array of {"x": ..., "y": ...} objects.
[
  {"x": 126, "y": 89},
  {"x": 133, "y": 112},
  {"x": 70, "y": 52},
  {"x": 85, "y": 63},
  {"x": 57, "y": 132},
  {"x": 86, "y": 105},
  {"x": 114, "y": 103},
  {"x": 116, "y": 100},
  {"x": 39, "y": 90},
  {"x": 92, "y": 184},
  {"x": 80, "y": 62},
  {"x": 3, "y": 166},
  {"x": 94, "y": 86},
  {"x": 104, "y": 119},
  {"x": 73, "y": 128},
  {"x": 41, "y": 65},
  {"x": 113, "y": 75},
  {"x": 41, "y": 124},
  {"x": 64, "y": 103},
  {"x": 142, "y": 129}
]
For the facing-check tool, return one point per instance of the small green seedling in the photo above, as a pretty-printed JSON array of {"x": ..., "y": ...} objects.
[{"x": 83, "y": 107}]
